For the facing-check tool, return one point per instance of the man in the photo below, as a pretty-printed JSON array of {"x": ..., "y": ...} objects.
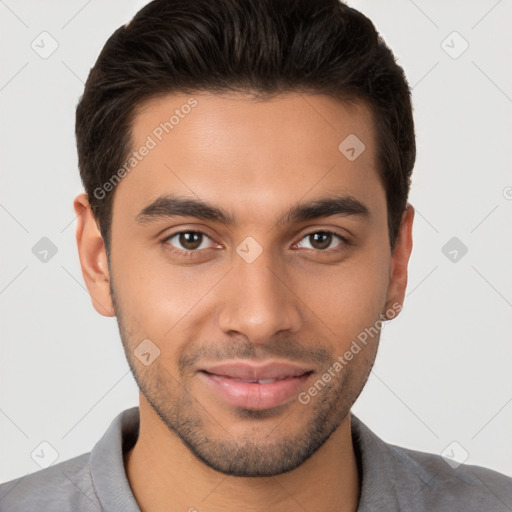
[{"x": 247, "y": 166}]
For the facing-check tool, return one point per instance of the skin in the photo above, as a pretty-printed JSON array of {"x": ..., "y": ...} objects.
[{"x": 298, "y": 301}]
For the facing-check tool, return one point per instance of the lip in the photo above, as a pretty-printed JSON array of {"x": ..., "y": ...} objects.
[
  {"x": 250, "y": 371},
  {"x": 237, "y": 383}
]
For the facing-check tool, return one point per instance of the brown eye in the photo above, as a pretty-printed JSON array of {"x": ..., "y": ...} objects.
[
  {"x": 187, "y": 240},
  {"x": 322, "y": 240}
]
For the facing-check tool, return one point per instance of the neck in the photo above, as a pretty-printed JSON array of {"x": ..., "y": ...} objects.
[{"x": 165, "y": 475}]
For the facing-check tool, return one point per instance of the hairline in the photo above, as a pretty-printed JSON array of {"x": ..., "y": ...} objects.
[{"x": 351, "y": 100}]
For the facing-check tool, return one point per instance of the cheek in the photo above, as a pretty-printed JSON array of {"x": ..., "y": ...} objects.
[
  {"x": 158, "y": 297},
  {"x": 350, "y": 296}
]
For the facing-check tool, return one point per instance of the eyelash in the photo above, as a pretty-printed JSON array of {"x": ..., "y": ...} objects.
[{"x": 192, "y": 253}]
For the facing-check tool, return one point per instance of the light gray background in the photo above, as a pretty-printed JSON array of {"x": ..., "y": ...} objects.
[{"x": 443, "y": 372}]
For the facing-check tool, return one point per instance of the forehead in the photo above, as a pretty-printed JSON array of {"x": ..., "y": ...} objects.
[{"x": 252, "y": 156}]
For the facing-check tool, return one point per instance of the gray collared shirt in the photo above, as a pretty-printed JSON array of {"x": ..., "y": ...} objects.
[{"x": 393, "y": 479}]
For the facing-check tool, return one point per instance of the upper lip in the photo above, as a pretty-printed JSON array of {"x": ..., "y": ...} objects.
[{"x": 251, "y": 371}]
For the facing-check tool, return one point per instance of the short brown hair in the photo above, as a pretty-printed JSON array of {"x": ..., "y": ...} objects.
[{"x": 267, "y": 46}]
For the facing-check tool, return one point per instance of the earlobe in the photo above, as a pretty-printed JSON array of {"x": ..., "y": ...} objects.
[
  {"x": 400, "y": 261},
  {"x": 93, "y": 258}
]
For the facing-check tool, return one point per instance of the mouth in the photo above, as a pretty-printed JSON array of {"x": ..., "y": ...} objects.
[{"x": 256, "y": 387}]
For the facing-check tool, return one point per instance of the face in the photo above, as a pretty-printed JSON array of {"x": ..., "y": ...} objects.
[{"x": 250, "y": 253}]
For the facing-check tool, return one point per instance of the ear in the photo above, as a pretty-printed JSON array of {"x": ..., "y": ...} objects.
[
  {"x": 93, "y": 257},
  {"x": 399, "y": 262}
]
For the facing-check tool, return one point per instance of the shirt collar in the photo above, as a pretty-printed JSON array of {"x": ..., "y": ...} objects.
[
  {"x": 390, "y": 479},
  {"x": 381, "y": 466},
  {"x": 107, "y": 463}
]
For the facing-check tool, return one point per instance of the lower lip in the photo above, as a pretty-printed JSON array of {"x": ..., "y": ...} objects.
[{"x": 253, "y": 395}]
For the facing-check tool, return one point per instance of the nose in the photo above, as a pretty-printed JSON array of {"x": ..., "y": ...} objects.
[{"x": 259, "y": 300}]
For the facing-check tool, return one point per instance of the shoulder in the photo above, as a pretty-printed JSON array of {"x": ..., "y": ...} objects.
[
  {"x": 451, "y": 486},
  {"x": 399, "y": 478},
  {"x": 66, "y": 486}
]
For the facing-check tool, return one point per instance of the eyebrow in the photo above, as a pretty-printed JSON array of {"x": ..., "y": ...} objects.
[{"x": 171, "y": 205}]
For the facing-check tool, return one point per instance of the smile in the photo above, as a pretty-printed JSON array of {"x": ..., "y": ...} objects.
[{"x": 255, "y": 387}]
